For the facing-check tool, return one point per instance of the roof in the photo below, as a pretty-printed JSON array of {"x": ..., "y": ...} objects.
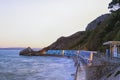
[{"x": 112, "y": 43}]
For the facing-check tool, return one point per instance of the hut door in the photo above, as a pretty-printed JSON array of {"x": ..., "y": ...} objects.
[{"x": 115, "y": 51}]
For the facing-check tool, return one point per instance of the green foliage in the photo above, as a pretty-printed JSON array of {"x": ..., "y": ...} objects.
[
  {"x": 114, "y": 2},
  {"x": 108, "y": 30},
  {"x": 117, "y": 38}
]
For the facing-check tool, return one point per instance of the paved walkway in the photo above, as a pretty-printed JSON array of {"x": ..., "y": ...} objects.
[{"x": 81, "y": 73}]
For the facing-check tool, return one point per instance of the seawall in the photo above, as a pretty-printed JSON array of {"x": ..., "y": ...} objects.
[{"x": 102, "y": 68}]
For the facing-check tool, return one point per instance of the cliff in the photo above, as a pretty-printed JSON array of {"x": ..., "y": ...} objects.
[
  {"x": 102, "y": 29},
  {"x": 67, "y": 42},
  {"x": 92, "y": 25}
]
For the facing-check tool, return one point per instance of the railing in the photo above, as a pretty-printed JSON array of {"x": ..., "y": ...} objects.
[
  {"x": 84, "y": 59},
  {"x": 84, "y": 56}
]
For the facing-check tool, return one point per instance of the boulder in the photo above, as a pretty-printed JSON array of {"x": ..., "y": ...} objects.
[{"x": 28, "y": 52}]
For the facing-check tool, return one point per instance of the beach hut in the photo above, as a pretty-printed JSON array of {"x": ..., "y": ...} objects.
[{"x": 114, "y": 49}]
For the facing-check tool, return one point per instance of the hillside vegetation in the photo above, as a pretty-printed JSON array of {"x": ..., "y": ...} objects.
[
  {"x": 107, "y": 30},
  {"x": 104, "y": 28}
]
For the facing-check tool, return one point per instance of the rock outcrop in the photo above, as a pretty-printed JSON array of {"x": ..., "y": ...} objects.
[
  {"x": 92, "y": 25},
  {"x": 28, "y": 52}
]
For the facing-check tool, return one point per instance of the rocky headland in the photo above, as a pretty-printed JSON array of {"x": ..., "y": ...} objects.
[
  {"x": 28, "y": 52},
  {"x": 102, "y": 29}
]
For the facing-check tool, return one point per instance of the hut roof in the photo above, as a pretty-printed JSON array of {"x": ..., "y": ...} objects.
[{"x": 112, "y": 43}]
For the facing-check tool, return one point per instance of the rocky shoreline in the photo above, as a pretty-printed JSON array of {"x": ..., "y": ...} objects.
[
  {"x": 102, "y": 68},
  {"x": 30, "y": 52}
]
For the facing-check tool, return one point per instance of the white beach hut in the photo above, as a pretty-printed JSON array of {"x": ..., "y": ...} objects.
[{"x": 114, "y": 48}]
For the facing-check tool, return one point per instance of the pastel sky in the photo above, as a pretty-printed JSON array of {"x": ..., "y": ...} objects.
[{"x": 38, "y": 23}]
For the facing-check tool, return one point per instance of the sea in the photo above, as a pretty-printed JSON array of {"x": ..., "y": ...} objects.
[{"x": 16, "y": 67}]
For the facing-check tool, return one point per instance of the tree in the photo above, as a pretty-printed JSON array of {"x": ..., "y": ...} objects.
[{"x": 114, "y": 5}]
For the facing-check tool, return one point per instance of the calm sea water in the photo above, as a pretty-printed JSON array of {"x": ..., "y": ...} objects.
[{"x": 15, "y": 67}]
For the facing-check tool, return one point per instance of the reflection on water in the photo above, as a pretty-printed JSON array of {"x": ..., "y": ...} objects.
[{"x": 15, "y": 67}]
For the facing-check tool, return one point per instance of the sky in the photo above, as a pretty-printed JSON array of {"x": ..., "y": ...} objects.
[{"x": 39, "y": 23}]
